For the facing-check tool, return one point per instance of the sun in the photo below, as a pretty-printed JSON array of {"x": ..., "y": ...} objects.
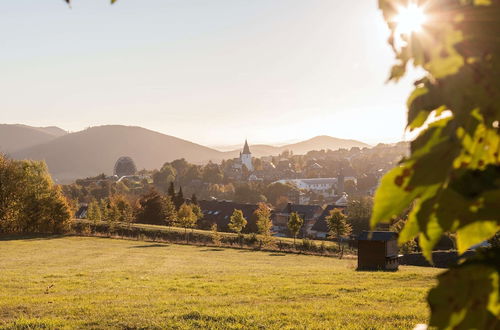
[{"x": 410, "y": 19}]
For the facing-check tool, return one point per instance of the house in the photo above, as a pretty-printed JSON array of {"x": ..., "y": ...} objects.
[
  {"x": 320, "y": 228},
  {"x": 81, "y": 213},
  {"x": 378, "y": 250},
  {"x": 219, "y": 212},
  {"x": 322, "y": 186},
  {"x": 309, "y": 213}
]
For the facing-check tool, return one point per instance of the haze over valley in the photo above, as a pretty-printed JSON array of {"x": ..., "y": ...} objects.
[{"x": 96, "y": 149}]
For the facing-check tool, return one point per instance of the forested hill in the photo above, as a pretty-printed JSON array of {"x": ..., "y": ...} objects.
[{"x": 95, "y": 150}]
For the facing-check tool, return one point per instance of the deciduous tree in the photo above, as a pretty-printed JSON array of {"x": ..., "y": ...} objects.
[
  {"x": 237, "y": 222},
  {"x": 29, "y": 201},
  {"x": 264, "y": 223},
  {"x": 155, "y": 209},
  {"x": 295, "y": 222},
  {"x": 338, "y": 226},
  {"x": 186, "y": 218}
]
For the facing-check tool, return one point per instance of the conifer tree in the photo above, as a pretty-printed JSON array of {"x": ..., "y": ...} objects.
[
  {"x": 171, "y": 191},
  {"x": 179, "y": 199},
  {"x": 194, "y": 199},
  {"x": 103, "y": 204},
  {"x": 94, "y": 212}
]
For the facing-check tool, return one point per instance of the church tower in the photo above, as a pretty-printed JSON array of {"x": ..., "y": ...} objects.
[{"x": 246, "y": 157}]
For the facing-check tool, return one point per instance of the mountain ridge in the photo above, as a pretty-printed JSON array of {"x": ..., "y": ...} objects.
[
  {"x": 95, "y": 150},
  {"x": 15, "y": 137}
]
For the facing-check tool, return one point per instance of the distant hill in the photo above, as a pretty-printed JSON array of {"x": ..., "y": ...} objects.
[
  {"x": 16, "y": 137},
  {"x": 95, "y": 150},
  {"x": 299, "y": 148}
]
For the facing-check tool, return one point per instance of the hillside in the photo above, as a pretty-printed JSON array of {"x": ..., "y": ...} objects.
[
  {"x": 16, "y": 137},
  {"x": 95, "y": 150},
  {"x": 303, "y": 147},
  {"x": 64, "y": 282}
]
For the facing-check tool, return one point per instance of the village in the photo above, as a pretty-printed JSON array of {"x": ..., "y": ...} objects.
[{"x": 310, "y": 185}]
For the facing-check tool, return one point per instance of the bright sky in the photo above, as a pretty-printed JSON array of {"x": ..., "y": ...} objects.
[{"x": 210, "y": 71}]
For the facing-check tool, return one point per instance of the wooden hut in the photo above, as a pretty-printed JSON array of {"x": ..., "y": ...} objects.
[{"x": 378, "y": 250}]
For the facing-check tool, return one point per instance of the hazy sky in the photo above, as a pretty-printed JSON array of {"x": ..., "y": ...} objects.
[{"x": 210, "y": 71}]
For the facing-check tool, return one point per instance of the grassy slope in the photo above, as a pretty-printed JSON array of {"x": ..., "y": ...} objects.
[{"x": 103, "y": 283}]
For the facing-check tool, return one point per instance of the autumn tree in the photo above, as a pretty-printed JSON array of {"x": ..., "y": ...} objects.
[
  {"x": 338, "y": 226},
  {"x": 186, "y": 218},
  {"x": 359, "y": 211},
  {"x": 237, "y": 223},
  {"x": 29, "y": 200},
  {"x": 264, "y": 223},
  {"x": 94, "y": 211},
  {"x": 156, "y": 209},
  {"x": 124, "y": 209},
  {"x": 215, "y": 235},
  {"x": 295, "y": 222},
  {"x": 164, "y": 176},
  {"x": 197, "y": 211}
]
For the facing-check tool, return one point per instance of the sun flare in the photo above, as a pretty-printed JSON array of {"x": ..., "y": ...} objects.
[{"x": 410, "y": 19}]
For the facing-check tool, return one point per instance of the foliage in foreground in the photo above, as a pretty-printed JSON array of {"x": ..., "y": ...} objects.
[
  {"x": 452, "y": 177},
  {"x": 29, "y": 201}
]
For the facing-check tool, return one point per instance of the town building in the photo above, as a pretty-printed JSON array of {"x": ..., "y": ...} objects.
[
  {"x": 246, "y": 157},
  {"x": 236, "y": 171},
  {"x": 320, "y": 228},
  {"x": 327, "y": 187},
  {"x": 309, "y": 213},
  {"x": 219, "y": 212}
]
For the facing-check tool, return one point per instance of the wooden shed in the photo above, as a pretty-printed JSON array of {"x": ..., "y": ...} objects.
[{"x": 378, "y": 250}]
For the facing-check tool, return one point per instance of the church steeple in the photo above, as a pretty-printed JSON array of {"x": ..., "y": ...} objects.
[{"x": 246, "y": 149}]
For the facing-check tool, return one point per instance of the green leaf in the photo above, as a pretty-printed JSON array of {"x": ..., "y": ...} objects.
[
  {"x": 467, "y": 296},
  {"x": 427, "y": 242},
  {"x": 475, "y": 233},
  {"x": 391, "y": 199}
]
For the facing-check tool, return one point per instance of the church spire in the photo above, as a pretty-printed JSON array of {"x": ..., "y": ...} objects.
[{"x": 246, "y": 149}]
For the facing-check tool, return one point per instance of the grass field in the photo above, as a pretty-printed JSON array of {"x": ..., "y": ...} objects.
[{"x": 80, "y": 282}]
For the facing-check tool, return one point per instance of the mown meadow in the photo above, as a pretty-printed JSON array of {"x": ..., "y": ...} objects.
[{"x": 86, "y": 282}]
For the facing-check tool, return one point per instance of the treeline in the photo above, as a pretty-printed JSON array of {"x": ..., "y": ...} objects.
[
  {"x": 153, "y": 207},
  {"x": 29, "y": 200},
  {"x": 202, "y": 237},
  {"x": 170, "y": 209},
  {"x": 101, "y": 187}
]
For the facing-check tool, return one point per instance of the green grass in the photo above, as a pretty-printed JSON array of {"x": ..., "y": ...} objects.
[{"x": 82, "y": 282}]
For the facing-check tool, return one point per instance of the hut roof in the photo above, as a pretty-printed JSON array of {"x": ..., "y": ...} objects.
[{"x": 378, "y": 236}]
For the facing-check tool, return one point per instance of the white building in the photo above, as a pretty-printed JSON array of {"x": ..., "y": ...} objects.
[
  {"x": 322, "y": 186},
  {"x": 246, "y": 157}
]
